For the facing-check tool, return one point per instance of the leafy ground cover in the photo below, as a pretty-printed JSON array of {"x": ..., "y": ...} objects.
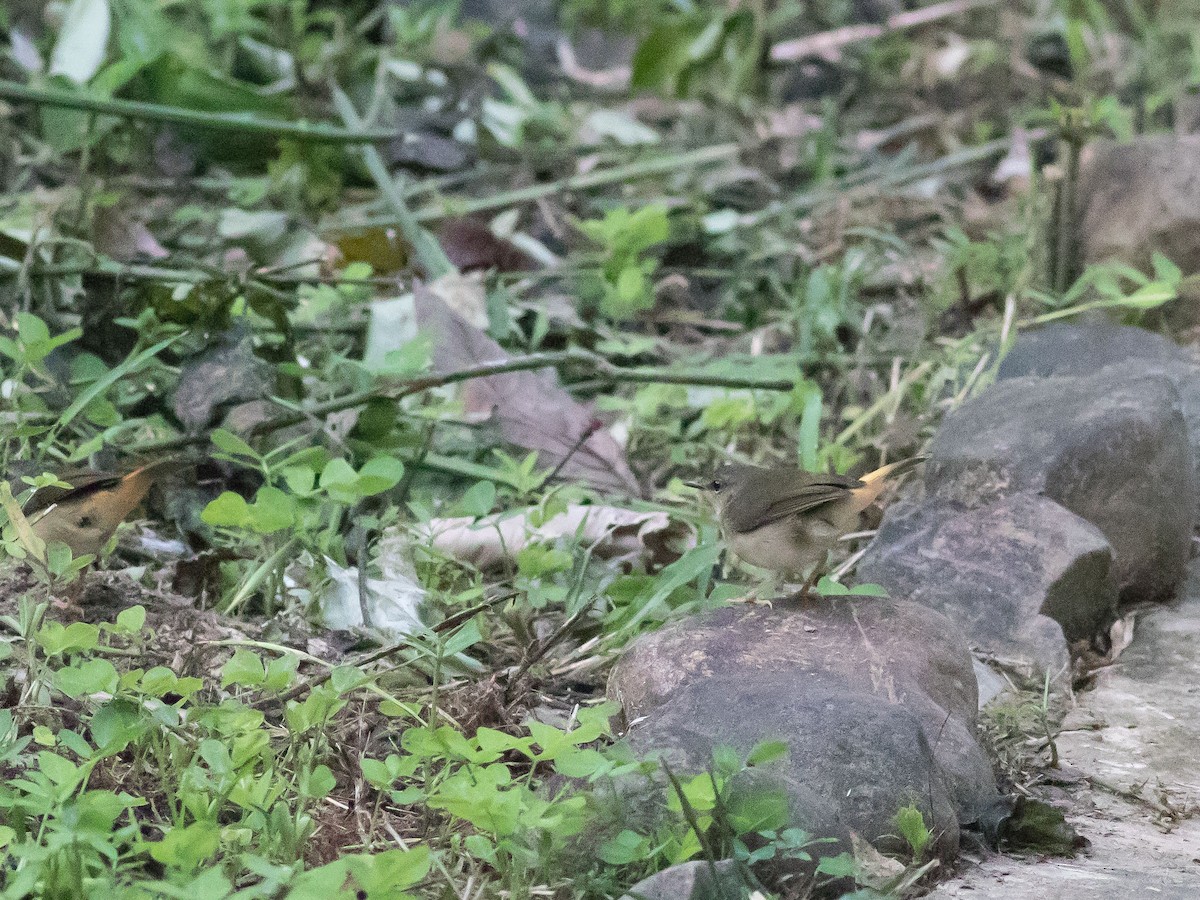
[{"x": 442, "y": 303}]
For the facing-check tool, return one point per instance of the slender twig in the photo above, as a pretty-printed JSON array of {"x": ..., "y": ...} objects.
[
  {"x": 592, "y": 427},
  {"x": 881, "y": 405},
  {"x": 827, "y": 42},
  {"x": 249, "y": 123},
  {"x": 644, "y": 168},
  {"x": 397, "y": 391},
  {"x": 869, "y": 182}
]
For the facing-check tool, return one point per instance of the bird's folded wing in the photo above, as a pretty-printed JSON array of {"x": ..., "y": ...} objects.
[
  {"x": 82, "y": 484},
  {"x": 749, "y": 513}
]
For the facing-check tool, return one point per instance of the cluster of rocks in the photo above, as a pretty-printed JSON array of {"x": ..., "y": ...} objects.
[
  {"x": 1063, "y": 490},
  {"x": 1067, "y": 487}
]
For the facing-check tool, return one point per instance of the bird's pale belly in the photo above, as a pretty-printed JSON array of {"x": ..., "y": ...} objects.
[{"x": 787, "y": 545}]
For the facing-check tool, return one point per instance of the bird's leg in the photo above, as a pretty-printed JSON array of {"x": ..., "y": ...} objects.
[
  {"x": 67, "y": 600},
  {"x": 811, "y": 582}
]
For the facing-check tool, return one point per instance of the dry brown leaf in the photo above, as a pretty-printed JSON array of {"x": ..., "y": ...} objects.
[
  {"x": 464, "y": 295},
  {"x": 472, "y": 247},
  {"x": 116, "y": 233},
  {"x": 874, "y": 869},
  {"x": 529, "y": 408},
  {"x": 624, "y": 535},
  {"x": 222, "y": 376}
]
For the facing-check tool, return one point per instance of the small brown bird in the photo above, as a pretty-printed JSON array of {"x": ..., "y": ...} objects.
[
  {"x": 84, "y": 515},
  {"x": 786, "y": 519}
]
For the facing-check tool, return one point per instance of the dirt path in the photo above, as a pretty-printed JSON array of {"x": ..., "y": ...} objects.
[{"x": 1130, "y": 755}]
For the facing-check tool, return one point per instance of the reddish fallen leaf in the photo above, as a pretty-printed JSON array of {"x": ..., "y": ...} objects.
[
  {"x": 529, "y": 408},
  {"x": 471, "y": 246}
]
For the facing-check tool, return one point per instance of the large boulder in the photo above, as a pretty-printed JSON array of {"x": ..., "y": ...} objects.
[
  {"x": 696, "y": 880},
  {"x": 1022, "y": 576},
  {"x": 1062, "y": 349},
  {"x": 1112, "y": 448},
  {"x": 854, "y": 759},
  {"x": 1065, "y": 349},
  {"x": 1139, "y": 198},
  {"x": 885, "y": 653}
]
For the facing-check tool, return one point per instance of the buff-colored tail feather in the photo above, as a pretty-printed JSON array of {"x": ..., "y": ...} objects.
[{"x": 873, "y": 483}]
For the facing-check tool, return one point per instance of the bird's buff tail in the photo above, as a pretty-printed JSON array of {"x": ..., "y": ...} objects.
[{"x": 873, "y": 483}]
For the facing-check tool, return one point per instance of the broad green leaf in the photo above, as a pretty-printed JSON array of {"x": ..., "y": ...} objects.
[
  {"x": 89, "y": 677},
  {"x": 185, "y": 847},
  {"x": 766, "y": 751},
  {"x": 479, "y": 499},
  {"x": 379, "y": 474},
  {"x": 244, "y": 668},
  {"x": 228, "y": 510},
  {"x": 132, "y": 619},
  {"x": 273, "y": 510},
  {"x": 230, "y": 443}
]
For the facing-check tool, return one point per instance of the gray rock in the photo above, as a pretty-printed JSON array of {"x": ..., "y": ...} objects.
[
  {"x": 853, "y": 758},
  {"x": 1061, "y": 349},
  {"x": 1111, "y": 448},
  {"x": 1140, "y": 198},
  {"x": 690, "y": 881},
  {"x": 1022, "y": 576},
  {"x": 898, "y": 653}
]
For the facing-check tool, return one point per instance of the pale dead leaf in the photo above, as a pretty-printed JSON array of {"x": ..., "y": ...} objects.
[
  {"x": 874, "y": 870},
  {"x": 24, "y": 51},
  {"x": 948, "y": 60},
  {"x": 1121, "y": 635},
  {"x": 392, "y": 604},
  {"x": 622, "y": 535},
  {"x": 613, "y": 79},
  {"x": 529, "y": 408},
  {"x": 1015, "y": 170},
  {"x": 465, "y": 295}
]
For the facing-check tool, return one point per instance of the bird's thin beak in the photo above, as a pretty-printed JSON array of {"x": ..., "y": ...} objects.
[{"x": 695, "y": 485}]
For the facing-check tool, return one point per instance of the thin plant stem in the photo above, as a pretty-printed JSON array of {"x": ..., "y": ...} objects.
[
  {"x": 427, "y": 251},
  {"x": 861, "y": 184},
  {"x": 247, "y": 123},
  {"x": 644, "y": 168}
]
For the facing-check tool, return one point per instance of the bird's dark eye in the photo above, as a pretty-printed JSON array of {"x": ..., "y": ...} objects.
[{"x": 716, "y": 486}]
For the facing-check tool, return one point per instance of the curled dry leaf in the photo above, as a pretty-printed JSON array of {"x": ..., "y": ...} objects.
[
  {"x": 227, "y": 373},
  {"x": 873, "y": 868},
  {"x": 1015, "y": 171},
  {"x": 623, "y": 535},
  {"x": 464, "y": 295},
  {"x": 529, "y": 408}
]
